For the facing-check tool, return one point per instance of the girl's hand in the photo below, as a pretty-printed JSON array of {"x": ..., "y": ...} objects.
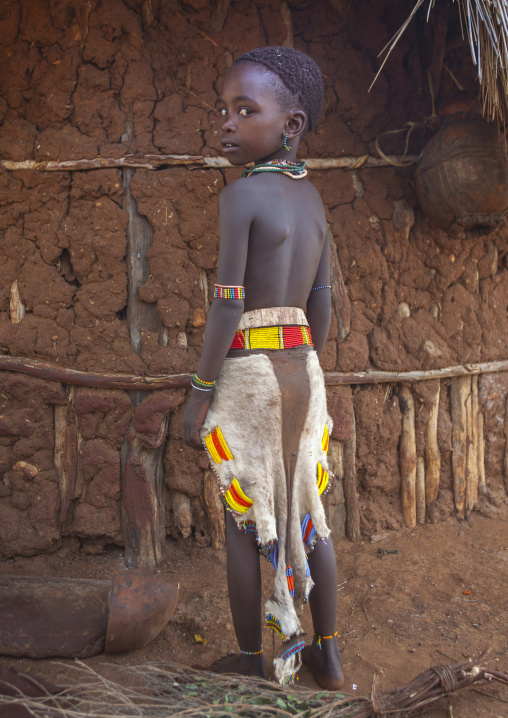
[{"x": 194, "y": 417}]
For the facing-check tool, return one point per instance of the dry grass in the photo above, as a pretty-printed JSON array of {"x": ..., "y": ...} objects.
[
  {"x": 163, "y": 690},
  {"x": 485, "y": 24}
]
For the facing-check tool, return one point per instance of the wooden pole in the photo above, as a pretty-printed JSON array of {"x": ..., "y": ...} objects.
[
  {"x": 215, "y": 510},
  {"x": 182, "y": 512},
  {"x": 220, "y": 15},
  {"x": 460, "y": 389},
  {"x": 335, "y": 506},
  {"x": 472, "y": 448},
  {"x": 393, "y": 377},
  {"x": 143, "y": 497},
  {"x": 482, "y": 484},
  {"x": 340, "y": 299},
  {"x": 147, "y": 382},
  {"x": 432, "y": 453},
  {"x": 336, "y": 458},
  {"x": 349, "y": 484},
  {"x": 505, "y": 458},
  {"x": 66, "y": 452},
  {"x": 153, "y": 162},
  {"x": 287, "y": 21},
  {"x": 53, "y": 372},
  {"x": 407, "y": 456},
  {"x": 420, "y": 490}
]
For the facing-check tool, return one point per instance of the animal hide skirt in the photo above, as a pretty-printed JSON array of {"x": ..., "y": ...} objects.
[{"x": 266, "y": 434}]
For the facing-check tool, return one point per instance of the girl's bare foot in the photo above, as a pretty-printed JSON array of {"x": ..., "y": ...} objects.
[
  {"x": 239, "y": 663},
  {"x": 324, "y": 663}
]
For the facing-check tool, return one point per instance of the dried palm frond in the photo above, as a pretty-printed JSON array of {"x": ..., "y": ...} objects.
[
  {"x": 485, "y": 22},
  {"x": 166, "y": 689},
  {"x": 487, "y": 30}
]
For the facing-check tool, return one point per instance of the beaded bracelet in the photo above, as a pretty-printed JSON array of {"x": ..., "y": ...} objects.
[
  {"x": 224, "y": 291},
  {"x": 324, "y": 286},
  {"x": 202, "y": 385},
  {"x": 251, "y": 653}
]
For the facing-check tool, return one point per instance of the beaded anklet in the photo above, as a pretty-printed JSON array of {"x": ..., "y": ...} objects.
[
  {"x": 251, "y": 653},
  {"x": 324, "y": 638},
  {"x": 202, "y": 385},
  {"x": 224, "y": 291},
  {"x": 324, "y": 286}
]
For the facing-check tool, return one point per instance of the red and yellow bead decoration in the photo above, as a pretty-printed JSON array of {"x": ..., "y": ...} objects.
[
  {"x": 278, "y": 337},
  {"x": 322, "y": 478},
  {"x": 216, "y": 445},
  {"x": 236, "y": 499},
  {"x": 326, "y": 440}
]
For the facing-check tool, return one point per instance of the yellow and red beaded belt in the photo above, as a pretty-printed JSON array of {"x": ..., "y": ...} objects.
[{"x": 279, "y": 337}]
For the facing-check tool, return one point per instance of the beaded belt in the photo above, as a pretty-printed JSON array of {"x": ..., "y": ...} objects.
[{"x": 279, "y": 337}]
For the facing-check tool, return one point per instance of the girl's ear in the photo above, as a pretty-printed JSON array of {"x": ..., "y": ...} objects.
[{"x": 296, "y": 123}]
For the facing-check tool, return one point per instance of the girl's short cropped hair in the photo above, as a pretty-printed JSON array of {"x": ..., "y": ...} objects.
[{"x": 298, "y": 73}]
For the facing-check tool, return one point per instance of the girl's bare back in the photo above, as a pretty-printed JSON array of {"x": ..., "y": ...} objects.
[{"x": 285, "y": 240}]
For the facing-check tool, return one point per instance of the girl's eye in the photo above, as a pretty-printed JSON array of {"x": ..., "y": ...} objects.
[
  {"x": 245, "y": 112},
  {"x": 222, "y": 112}
]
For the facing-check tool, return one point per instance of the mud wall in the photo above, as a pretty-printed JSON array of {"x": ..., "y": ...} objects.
[{"x": 114, "y": 268}]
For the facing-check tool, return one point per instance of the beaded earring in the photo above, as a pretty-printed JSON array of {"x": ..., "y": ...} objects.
[{"x": 286, "y": 146}]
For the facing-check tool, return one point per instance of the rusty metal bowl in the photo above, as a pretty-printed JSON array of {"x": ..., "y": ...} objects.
[
  {"x": 462, "y": 176},
  {"x": 76, "y": 618}
]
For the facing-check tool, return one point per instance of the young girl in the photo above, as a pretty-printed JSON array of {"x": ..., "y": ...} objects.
[{"x": 261, "y": 412}]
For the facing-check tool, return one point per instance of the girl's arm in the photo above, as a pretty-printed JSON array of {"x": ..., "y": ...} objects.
[
  {"x": 235, "y": 215},
  {"x": 319, "y": 302}
]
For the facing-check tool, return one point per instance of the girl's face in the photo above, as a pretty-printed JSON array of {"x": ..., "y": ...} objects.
[{"x": 253, "y": 121}]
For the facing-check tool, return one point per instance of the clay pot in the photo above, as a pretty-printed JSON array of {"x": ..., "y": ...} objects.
[{"x": 462, "y": 176}]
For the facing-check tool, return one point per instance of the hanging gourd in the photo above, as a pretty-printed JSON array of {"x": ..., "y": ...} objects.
[{"x": 462, "y": 175}]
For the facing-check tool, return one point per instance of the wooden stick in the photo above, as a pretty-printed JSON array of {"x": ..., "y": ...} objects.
[
  {"x": 420, "y": 490},
  {"x": 287, "y": 21},
  {"x": 17, "y": 308},
  {"x": 472, "y": 449},
  {"x": 140, "y": 315},
  {"x": 340, "y": 299},
  {"x": 215, "y": 510},
  {"x": 53, "y": 372},
  {"x": 147, "y": 14},
  {"x": 460, "y": 389},
  {"x": 182, "y": 512},
  {"x": 432, "y": 453},
  {"x": 469, "y": 452},
  {"x": 336, "y": 458},
  {"x": 482, "y": 484},
  {"x": 349, "y": 484},
  {"x": 407, "y": 456},
  {"x": 505, "y": 458},
  {"x": 66, "y": 451},
  {"x": 143, "y": 496},
  {"x": 147, "y": 382},
  {"x": 153, "y": 162},
  {"x": 220, "y": 15},
  {"x": 335, "y": 506},
  {"x": 380, "y": 377}
]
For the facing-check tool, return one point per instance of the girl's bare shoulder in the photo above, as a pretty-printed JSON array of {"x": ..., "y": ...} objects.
[{"x": 239, "y": 188}]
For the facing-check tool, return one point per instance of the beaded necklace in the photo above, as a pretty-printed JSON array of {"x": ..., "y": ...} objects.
[{"x": 295, "y": 170}]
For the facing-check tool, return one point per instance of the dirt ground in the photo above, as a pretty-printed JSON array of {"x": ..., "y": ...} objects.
[{"x": 408, "y": 600}]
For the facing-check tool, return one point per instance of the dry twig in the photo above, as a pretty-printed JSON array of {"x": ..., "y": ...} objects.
[{"x": 166, "y": 689}]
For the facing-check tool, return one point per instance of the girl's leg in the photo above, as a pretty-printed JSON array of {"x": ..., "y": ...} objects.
[
  {"x": 244, "y": 587},
  {"x": 324, "y": 660}
]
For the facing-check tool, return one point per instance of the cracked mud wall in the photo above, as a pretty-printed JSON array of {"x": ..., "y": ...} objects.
[{"x": 87, "y": 79}]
